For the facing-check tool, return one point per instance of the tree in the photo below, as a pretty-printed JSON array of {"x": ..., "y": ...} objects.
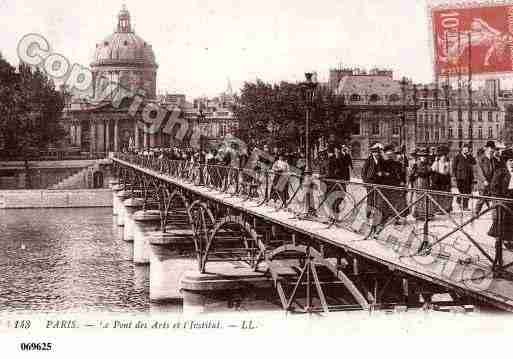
[
  {"x": 275, "y": 114},
  {"x": 31, "y": 109}
]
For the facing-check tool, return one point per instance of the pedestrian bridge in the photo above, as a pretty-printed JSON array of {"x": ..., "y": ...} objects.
[{"x": 357, "y": 247}]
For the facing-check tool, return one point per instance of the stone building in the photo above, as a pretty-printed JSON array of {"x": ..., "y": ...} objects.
[
  {"x": 215, "y": 116},
  {"x": 124, "y": 73},
  {"x": 383, "y": 112},
  {"x": 123, "y": 65},
  {"x": 446, "y": 116},
  {"x": 435, "y": 114}
]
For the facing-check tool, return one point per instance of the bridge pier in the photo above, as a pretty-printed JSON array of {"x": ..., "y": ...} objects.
[
  {"x": 121, "y": 213},
  {"x": 115, "y": 201},
  {"x": 144, "y": 222},
  {"x": 170, "y": 256},
  {"x": 320, "y": 265},
  {"x": 131, "y": 206},
  {"x": 225, "y": 287},
  {"x": 113, "y": 182}
]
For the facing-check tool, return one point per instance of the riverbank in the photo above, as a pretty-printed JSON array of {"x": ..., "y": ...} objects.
[{"x": 80, "y": 198}]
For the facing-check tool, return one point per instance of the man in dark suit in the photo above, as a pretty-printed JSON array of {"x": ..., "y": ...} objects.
[
  {"x": 371, "y": 174},
  {"x": 502, "y": 186},
  {"x": 488, "y": 165},
  {"x": 464, "y": 174},
  {"x": 370, "y": 167},
  {"x": 344, "y": 163}
]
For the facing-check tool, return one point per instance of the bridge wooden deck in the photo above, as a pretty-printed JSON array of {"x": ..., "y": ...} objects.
[{"x": 455, "y": 266}]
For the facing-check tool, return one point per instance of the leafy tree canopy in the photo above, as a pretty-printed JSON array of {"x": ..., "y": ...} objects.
[
  {"x": 30, "y": 110},
  {"x": 275, "y": 115}
]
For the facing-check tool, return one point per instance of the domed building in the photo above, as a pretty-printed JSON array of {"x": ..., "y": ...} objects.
[
  {"x": 122, "y": 67},
  {"x": 126, "y": 59}
]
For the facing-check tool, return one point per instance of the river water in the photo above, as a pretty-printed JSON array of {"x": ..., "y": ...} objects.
[
  {"x": 54, "y": 260},
  {"x": 74, "y": 261}
]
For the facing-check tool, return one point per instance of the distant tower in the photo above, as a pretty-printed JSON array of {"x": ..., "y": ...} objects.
[
  {"x": 124, "y": 20},
  {"x": 229, "y": 89}
]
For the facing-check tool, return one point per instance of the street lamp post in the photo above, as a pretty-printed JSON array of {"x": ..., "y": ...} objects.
[
  {"x": 308, "y": 88},
  {"x": 415, "y": 101},
  {"x": 202, "y": 157},
  {"x": 200, "y": 118},
  {"x": 425, "y": 93},
  {"x": 402, "y": 132},
  {"x": 437, "y": 122},
  {"x": 446, "y": 88}
]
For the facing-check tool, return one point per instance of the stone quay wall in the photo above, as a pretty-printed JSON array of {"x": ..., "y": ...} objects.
[
  {"x": 45, "y": 174},
  {"x": 10, "y": 199}
]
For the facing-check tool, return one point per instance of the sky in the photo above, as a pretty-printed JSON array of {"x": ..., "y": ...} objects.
[{"x": 201, "y": 44}]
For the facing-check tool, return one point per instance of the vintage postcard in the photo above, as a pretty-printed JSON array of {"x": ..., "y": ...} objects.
[{"x": 184, "y": 175}]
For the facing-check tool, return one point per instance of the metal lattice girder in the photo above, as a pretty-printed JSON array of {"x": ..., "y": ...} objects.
[
  {"x": 229, "y": 180},
  {"x": 313, "y": 259},
  {"x": 247, "y": 234}
]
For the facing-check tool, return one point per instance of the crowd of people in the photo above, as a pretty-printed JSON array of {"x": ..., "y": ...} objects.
[
  {"x": 335, "y": 162},
  {"x": 433, "y": 170},
  {"x": 390, "y": 167}
]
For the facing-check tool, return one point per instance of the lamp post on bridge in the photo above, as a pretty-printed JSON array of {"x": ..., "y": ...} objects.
[
  {"x": 402, "y": 131},
  {"x": 202, "y": 156},
  {"x": 415, "y": 103},
  {"x": 425, "y": 94},
  {"x": 200, "y": 118},
  {"x": 446, "y": 88},
  {"x": 308, "y": 87}
]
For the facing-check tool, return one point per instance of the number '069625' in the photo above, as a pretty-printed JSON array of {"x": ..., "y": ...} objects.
[{"x": 36, "y": 346}]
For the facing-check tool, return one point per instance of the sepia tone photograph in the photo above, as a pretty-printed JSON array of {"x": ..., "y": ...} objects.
[{"x": 226, "y": 166}]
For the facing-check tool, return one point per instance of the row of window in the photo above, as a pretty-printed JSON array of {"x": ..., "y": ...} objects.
[
  {"x": 459, "y": 114},
  {"x": 443, "y": 104},
  {"x": 438, "y": 133},
  {"x": 374, "y": 98},
  {"x": 375, "y": 128}
]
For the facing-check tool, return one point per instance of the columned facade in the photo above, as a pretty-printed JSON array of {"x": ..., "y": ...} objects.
[
  {"x": 145, "y": 136},
  {"x": 136, "y": 136},
  {"x": 122, "y": 62},
  {"x": 78, "y": 138},
  {"x": 116, "y": 135},
  {"x": 100, "y": 136},
  {"x": 92, "y": 137},
  {"x": 107, "y": 136}
]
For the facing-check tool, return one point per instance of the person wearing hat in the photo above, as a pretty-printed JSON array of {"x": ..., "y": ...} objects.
[
  {"x": 323, "y": 161},
  {"x": 464, "y": 174},
  {"x": 391, "y": 170},
  {"x": 420, "y": 177},
  {"x": 344, "y": 163},
  {"x": 280, "y": 172},
  {"x": 371, "y": 175},
  {"x": 441, "y": 177},
  {"x": 432, "y": 155},
  {"x": 402, "y": 157},
  {"x": 488, "y": 165},
  {"x": 333, "y": 174},
  {"x": 300, "y": 164},
  {"x": 502, "y": 186}
]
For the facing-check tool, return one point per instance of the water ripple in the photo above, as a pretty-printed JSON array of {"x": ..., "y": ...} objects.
[{"x": 71, "y": 261}]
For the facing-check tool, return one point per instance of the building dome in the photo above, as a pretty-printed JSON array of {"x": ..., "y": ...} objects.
[
  {"x": 125, "y": 59},
  {"x": 123, "y": 46}
]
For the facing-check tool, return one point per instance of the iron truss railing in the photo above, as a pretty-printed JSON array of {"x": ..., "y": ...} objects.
[{"x": 368, "y": 209}]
